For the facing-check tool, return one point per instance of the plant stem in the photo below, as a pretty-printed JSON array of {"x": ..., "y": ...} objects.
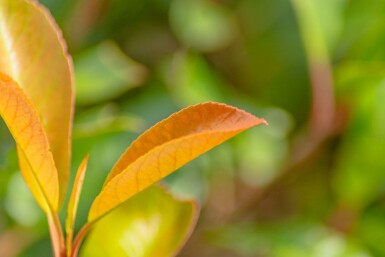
[
  {"x": 79, "y": 238},
  {"x": 69, "y": 237},
  {"x": 57, "y": 237}
]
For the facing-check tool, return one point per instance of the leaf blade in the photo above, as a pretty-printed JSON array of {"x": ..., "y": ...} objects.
[
  {"x": 34, "y": 55},
  {"x": 74, "y": 202},
  {"x": 167, "y": 146},
  {"x": 153, "y": 223},
  {"x": 38, "y": 167}
]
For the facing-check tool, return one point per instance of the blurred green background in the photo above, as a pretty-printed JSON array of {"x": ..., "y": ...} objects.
[{"x": 312, "y": 183}]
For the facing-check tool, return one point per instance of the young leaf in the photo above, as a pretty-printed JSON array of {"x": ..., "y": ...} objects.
[
  {"x": 34, "y": 54},
  {"x": 37, "y": 164},
  {"x": 167, "y": 146},
  {"x": 74, "y": 202},
  {"x": 153, "y": 223}
]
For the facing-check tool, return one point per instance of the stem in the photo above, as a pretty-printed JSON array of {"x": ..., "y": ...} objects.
[
  {"x": 57, "y": 237},
  {"x": 69, "y": 242},
  {"x": 79, "y": 239}
]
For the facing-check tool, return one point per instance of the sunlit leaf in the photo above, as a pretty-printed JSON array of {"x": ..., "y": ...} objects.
[
  {"x": 153, "y": 223},
  {"x": 23, "y": 122},
  {"x": 34, "y": 54},
  {"x": 167, "y": 146},
  {"x": 74, "y": 201}
]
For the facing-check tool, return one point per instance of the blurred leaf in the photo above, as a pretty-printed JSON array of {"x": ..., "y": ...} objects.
[
  {"x": 105, "y": 72},
  {"x": 34, "y": 54},
  {"x": 105, "y": 119},
  {"x": 192, "y": 80},
  {"x": 19, "y": 201},
  {"x": 353, "y": 77},
  {"x": 37, "y": 163},
  {"x": 153, "y": 223},
  {"x": 167, "y": 146},
  {"x": 261, "y": 165},
  {"x": 201, "y": 24},
  {"x": 287, "y": 239},
  {"x": 371, "y": 229},
  {"x": 359, "y": 175},
  {"x": 363, "y": 35}
]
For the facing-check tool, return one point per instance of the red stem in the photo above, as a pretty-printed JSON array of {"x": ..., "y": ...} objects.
[
  {"x": 57, "y": 237},
  {"x": 79, "y": 239}
]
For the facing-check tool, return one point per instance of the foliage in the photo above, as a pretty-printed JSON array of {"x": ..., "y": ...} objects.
[
  {"x": 42, "y": 141},
  {"x": 309, "y": 184}
]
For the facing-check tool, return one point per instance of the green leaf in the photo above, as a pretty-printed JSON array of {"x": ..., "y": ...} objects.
[
  {"x": 105, "y": 72},
  {"x": 74, "y": 202},
  {"x": 153, "y": 223},
  {"x": 203, "y": 25}
]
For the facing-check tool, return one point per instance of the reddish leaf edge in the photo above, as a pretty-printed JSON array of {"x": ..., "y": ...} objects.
[
  {"x": 196, "y": 207},
  {"x": 51, "y": 207},
  {"x": 74, "y": 202},
  {"x": 161, "y": 122},
  {"x": 59, "y": 35},
  {"x": 257, "y": 121},
  {"x": 88, "y": 226},
  {"x": 55, "y": 228}
]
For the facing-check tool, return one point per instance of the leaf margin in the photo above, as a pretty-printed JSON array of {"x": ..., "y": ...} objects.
[{"x": 95, "y": 213}]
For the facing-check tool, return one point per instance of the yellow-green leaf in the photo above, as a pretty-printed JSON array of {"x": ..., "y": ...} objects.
[
  {"x": 34, "y": 54},
  {"x": 167, "y": 146},
  {"x": 153, "y": 223},
  {"x": 74, "y": 202},
  {"x": 38, "y": 166}
]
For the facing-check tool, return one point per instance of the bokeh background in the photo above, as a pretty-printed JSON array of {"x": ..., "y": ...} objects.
[{"x": 312, "y": 183}]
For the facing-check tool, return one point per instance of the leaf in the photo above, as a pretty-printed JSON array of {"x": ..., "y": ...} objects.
[
  {"x": 24, "y": 124},
  {"x": 153, "y": 223},
  {"x": 74, "y": 202},
  {"x": 167, "y": 146},
  {"x": 105, "y": 72},
  {"x": 34, "y": 54},
  {"x": 203, "y": 25}
]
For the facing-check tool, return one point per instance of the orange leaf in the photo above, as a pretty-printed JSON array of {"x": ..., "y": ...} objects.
[
  {"x": 167, "y": 146},
  {"x": 34, "y": 54},
  {"x": 24, "y": 124}
]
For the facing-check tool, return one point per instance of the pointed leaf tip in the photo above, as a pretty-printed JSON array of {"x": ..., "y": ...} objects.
[
  {"x": 74, "y": 202},
  {"x": 36, "y": 160},
  {"x": 33, "y": 52},
  {"x": 167, "y": 146}
]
